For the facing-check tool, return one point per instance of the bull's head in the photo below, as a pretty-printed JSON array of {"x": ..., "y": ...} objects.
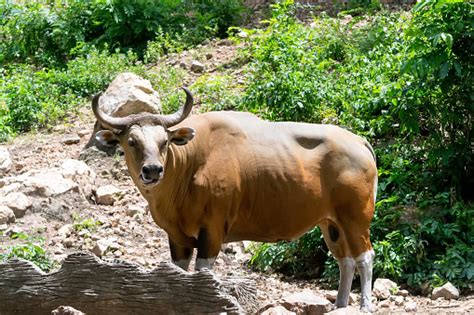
[{"x": 145, "y": 138}]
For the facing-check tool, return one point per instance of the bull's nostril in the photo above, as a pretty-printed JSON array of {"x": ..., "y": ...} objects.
[{"x": 152, "y": 171}]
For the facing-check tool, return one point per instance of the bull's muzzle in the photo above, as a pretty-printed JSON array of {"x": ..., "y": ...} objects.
[{"x": 151, "y": 174}]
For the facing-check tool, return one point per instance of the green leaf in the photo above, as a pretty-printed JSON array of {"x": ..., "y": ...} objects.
[{"x": 444, "y": 70}]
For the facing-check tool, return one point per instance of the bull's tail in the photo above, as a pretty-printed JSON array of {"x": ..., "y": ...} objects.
[{"x": 376, "y": 180}]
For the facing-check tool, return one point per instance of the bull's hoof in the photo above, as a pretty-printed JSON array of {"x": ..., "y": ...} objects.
[{"x": 367, "y": 308}]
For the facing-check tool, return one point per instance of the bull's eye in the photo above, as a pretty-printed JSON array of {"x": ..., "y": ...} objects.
[{"x": 131, "y": 142}]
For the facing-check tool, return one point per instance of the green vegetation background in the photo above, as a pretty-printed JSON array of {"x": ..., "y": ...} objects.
[{"x": 403, "y": 79}]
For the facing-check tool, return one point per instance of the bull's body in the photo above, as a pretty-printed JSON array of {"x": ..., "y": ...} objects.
[
  {"x": 255, "y": 180},
  {"x": 241, "y": 178}
]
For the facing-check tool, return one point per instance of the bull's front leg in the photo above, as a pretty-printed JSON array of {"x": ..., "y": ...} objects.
[
  {"x": 208, "y": 247},
  {"x": 180, "y": 256}
]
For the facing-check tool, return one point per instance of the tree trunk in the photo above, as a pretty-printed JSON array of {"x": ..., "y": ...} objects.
[{"x": 96, "y": 287}]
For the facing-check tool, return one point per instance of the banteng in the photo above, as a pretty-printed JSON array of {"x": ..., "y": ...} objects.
[{"x": 228, "y": 176}]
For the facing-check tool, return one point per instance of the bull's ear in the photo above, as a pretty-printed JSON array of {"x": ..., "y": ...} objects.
[
  {"x": 107, "y": 138},
  {"x": 181, "y": 136}
]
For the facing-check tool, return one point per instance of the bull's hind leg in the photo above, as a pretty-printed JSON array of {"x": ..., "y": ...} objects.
[
  {"x": 350, "y": 244},
  {"x": 357, "y": 236},
  {"x": 335, "y": 240}
]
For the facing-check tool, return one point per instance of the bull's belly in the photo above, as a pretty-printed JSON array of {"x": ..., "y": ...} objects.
[{"x": 278, "y": 225}]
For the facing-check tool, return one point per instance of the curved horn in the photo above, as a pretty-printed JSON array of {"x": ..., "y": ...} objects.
[
  {"x": 121, "y": 123},
  {"x": 182, "y": 113},
  {"x": 109, "y": 122}
]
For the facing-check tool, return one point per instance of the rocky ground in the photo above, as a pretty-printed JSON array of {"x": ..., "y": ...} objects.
[{"x": 80, "y": 199}]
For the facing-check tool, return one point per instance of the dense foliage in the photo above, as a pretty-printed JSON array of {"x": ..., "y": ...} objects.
[
  {"x": 404, "y": 80},
  {"x": 52, "y": 35}
]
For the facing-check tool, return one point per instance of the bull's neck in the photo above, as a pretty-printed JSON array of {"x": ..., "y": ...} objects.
[{"x": 168, "y": 195}]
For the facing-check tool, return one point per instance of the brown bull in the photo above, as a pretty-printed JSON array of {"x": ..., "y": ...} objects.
[{"x": 228, "y": 176}]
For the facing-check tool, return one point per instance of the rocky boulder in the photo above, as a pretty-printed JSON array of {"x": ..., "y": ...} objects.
[
  {"x": 5, "y": 161},
  {"x": 127, "y": 94},
  {"x": 107, "y": 195},
  {"x": 447, "y": 291},
  {"x": 304, "y": 302},
  {"x": 51, "y": 191},
  {"x": 16, "y": 201},
  {"x": 383, "y": 288},
  {"x": 6, "y": 215}
]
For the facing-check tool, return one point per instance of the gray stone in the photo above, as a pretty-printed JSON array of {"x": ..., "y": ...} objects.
[
  {"x": 83, "y": 133},
  {"x": 410, "y": 306},
  {"x": 277, "y": 310},
  {"x": 132, "y": 210},
  {"x": 18, "y": 202},
  {"x": 65, "y": 231},
  {"x": 66, "y": 310},
  {"x": 197, "y": 67},
  {"x": 306, "y": 302},
  {"x": 399, "y": 300},
  {"x": 6, "y": 215},
  {"x": 71, "y": 140},
  {"x": 127, "y": 94},
  {"x": 81, "y": 174},
  {"x": 383, "y": 288},
  {"x": 107, "y": 195},
  {"x": 5, "y": 161},
  {"x": 447, "y": 291},
  {"x": 349, "y": 310},
  {"x": 403, "y": 293},
  {"x": 103, "y": 245},
  {"x": 46, "y": 183}
]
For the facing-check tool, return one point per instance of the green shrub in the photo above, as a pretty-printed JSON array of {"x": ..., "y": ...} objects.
[
  {"x": 30, "y": 248},
  {"x": 31, "y": 98},
  {"x": 216, "y": 93},
  {"x": 52, "y": 35}
]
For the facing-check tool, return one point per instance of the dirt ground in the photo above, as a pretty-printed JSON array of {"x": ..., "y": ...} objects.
[{"x": 137, "y": 237}]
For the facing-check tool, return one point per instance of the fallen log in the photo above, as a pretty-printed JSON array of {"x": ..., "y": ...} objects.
[{"x": 96, "y": 287}]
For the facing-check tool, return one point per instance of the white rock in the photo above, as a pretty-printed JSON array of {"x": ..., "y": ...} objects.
[
  {"x": 47, "y": 183},
  {"x": 399, "y": 300},
  {"x": 8, "y": 188},
  {"x": 5, "y": 161},
  {"x": 306, "y": 302},
  {"x": 18, "y": 202},
  {"x": 410, "y": 307},
  {"x": 67, "y": 242},
  {"x": 107, "y": 195},
  {"x": 71, "y": 140},
  {"x": 65, "y": 231},
  {"x": 81, "y": 174},
  {"x": 447, "y": 291},
  {"x": 83, "y": 133},
  {"x": 403, "y": 293},
  {"x": 101, "y": 247},
  {"x": 383, "y": 288},
  {"x": 276, "y": 310},
  {"x": 132, "y": 210},
  {"x": 196, "y": 66},
  {"x": 349, "y": 310},
  {"x": 6, "y": 215}
]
